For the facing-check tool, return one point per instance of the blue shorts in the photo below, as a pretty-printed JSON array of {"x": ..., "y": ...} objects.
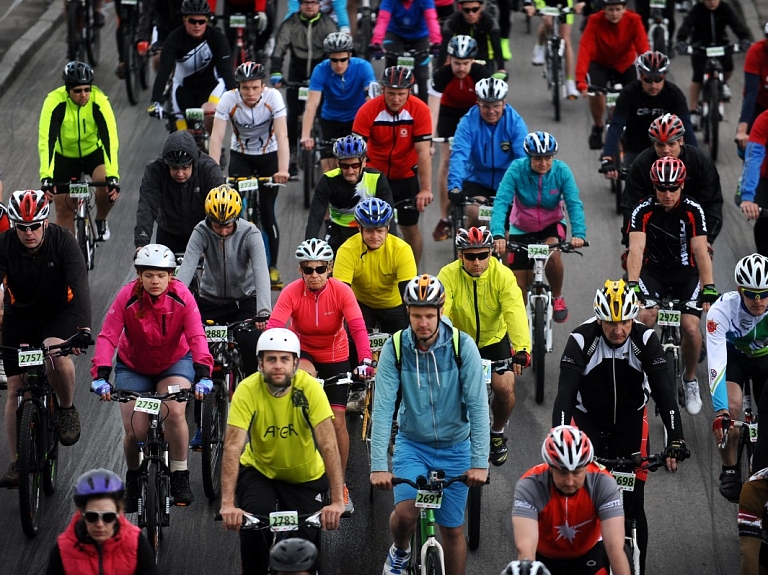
[
  {"x": 126, "y": 378},
  {"x": 412, "y": 459}
]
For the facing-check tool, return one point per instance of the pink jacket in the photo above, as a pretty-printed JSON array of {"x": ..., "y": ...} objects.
[{"x": 150, "y": 336}]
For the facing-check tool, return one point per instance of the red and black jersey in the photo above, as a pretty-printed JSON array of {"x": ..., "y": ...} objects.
[{"x": 454, "y": 92}]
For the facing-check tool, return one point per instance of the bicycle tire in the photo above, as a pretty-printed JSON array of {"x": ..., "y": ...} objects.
[
  {"x": 93, "y": 38},
  {"x": 417, "y": 541},
  {"x": 82, "y": 241},
  {"x": 556, "y": 82},
  {"x": 308, "y": 169},
  {"x": 432, "y": 562},
  {"x": 130, "y": 62},
  {"x": 457, "y": 222},
  {"x": 213, "y": 422},
  {"x": 657, "y": 40},
  {"x": 364, "y": 33},
  {"x": 713, "y": 97},
  {"x": 474, "y": 504},
  {"x": 30, "y": 466},
  {"x": 50, "y": 472},
  {"x": 73, "y": 29},
  {"x": 616, "y": 191},
  {"x": 152, "y": 510},
  {"x": 744, "y": 456},
  {"x": 539, "y": 349}
]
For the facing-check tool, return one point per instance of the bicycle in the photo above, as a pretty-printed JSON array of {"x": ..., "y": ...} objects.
[
  {"x": 82, "y": 192},
  {"x": 37, "y": 433},
  {"x": 194, "y": 119},
  {"x": 366, "y": 20},
  {"x": 748, "y": 433},
  {"x": 154, "y": 474},
  {"x": 658, "y": 27},
  {"x": 539, "y": 309},
  {"x": 376, "y": 341},
  {"x": 616, "y": 184},
  {"x": 554, "y": 59},
  {"x": 411, "y": 59},
  {"x": 83, "y": 32},
  {"x": 246, "y": 33},
  {"x": 459, "y": 218},
  {"x": 136, "y": 65}
]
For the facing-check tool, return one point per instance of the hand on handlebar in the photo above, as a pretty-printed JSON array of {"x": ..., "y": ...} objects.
[
  {"x": 365, "y": 369},
  {"x": 681, "y": 48},
  {"x": 476, "y": 477},
  {"x": 577, "y": 243},
  {"x": 142, "y": 47},
  {"x": 113, "y": 188},
  {"x": 231, "y": 517},
  {"x": 674, "y": 453},
  {"x": 155, "y": 110},
  {"x": 381, "y": 480},
  {"x": 520, "y": 361},
  {"x": 202, "y": 388},
  {"x": 376, "y": 51},
  {"x": 709, "y": 295},
  {"x": 608, "y": 168},
  {"x": 47, "y": 187},
  {"x": 261, "y": 22},
  {"x": 455, "y": 196},
  {"x": 750, "y": 210},
  {"x": 719, "y": 425},
  {"x": 744, "y": 44},
  {"x": 500, "y": 246},
  {"x": 102, "y": 388},
  {"x": 81, "y": 340}
]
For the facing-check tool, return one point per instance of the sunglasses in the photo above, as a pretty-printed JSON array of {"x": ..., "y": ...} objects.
[
  {"x": 197, "y": 22},
  {"x": 29, "y": 227},
  {"x": 471, "y": 10},
  {"x": 105, "y": 516},
  {"x": 337, "y": 60},
  {"x": 653, "y": 79},
  {"x": 753, "y": 294},
  {"x": 472, "y": 257},
  {"x": 308, "y": 271},
  {"x": 81, "y": 90},
  {"x": 311, "y": 3},
  {"x": 352, "y": 166},
  {"x": 667, "y": 189}
]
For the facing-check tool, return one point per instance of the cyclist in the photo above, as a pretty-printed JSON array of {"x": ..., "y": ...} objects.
[
  {"x": 752, "y": 524},
  {"x": 340, "y": 190},
  {"x": 154, "y": 326},
  {"x": 737, "y": 351},
  {"x": 157, "y": 21},
  {"x": 43, "y": 305},
  {"x": 99, "y": 538},
  {"x": 568, "y": 512},
  {"x": 303, "y": 34},
  {"x": 754, "y": 181},
  {"x": 755, "y": 92},
  {"x": 451, "y": 95},
  {"x": 293, "y": 555},
  {"x": 263, "y": 12},
  {"x": 78, "y": 135},
  {"x": 259, "y": 145},
  {"x": 471, "y": 19},
  {"x": 171, "y": 193},
  {"x": 610, "y": 365},
  {"x": 199, "y": 58},
  {"x": 317, "y": 306},
  {"x": 705, "y": 25},
  {"x": 668, "y": 254},
  {"x": 484, "y": 301},
  {"x": 263, "y": 466},
  {"x": 638, "y": 105},
  {"x": 403, "y": 25},
  {"x": 702, "y": 179},
  {"x": 443, "y": 421},
  {"x": 611, "y": 42},
  {"x": 398, "y": 130},
  {"x": 337, "y": 9},
  {"x": 535, "y": 215},
  {"x": 488, "y": 138}
]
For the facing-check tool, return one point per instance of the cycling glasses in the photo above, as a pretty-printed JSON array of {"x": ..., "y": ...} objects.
[
  {"x": 197, "y": 22},
  {"x": 755, "y": 294},
  {"x": 29, "y": 227},
  {"x": 337, "y": 60},
  {"x": 472, "y": 257},
  {"x": 81, "y": 90},
  {"x": 308, "y": 270},
  {"x": 652, "y": 79},
  {"x": 471, "y": 10},
  {"x": 352, "y": 166},
  {"x": 667, "y": 189},
  {"x": 105, "y": 516}
]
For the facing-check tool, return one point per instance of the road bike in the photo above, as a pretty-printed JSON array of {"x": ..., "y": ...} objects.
[
  {"x": 376, "y": 341},
  {"x": 554, "y": 57},
  {"x": 539, "y": 308},
  {"x": 246, "y": 34},
  {"x": 748, "y": 429},
  {"x": 82, "y": 193},
  {"x": 484, "y": 206},
  {"x": 37, "y": 431},
  {"x": 83, "y": 32},
  {"x": 136, "y": 65},
  {"x": 611, "y": 92},
  {"x": 154, "y": 473},
  {"x": 248, "y": 187},
  {"x": 658, "y": 27}
]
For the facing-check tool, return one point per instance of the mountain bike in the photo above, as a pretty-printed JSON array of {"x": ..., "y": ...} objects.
[
  {"x": 411, "y": 59},
  {"x": 459, "y": 216},
  {"x": 154, "y": 473},
  {"x": 554, "y": 58},
  {"x": 376, "y": 341},
  {"x": 37, "y": 432},
  {"x": 748, "y": 433},
  {"x": 246, "y": 33},
  {"x": 83, "y": 33},
  {"x": 194, "y": 119},
  {"x": 82, "y": 193},
  {"x": 658, "y": 27},
  {"x": 136, "y": 65},
  {"x": 539, "y": 308}
]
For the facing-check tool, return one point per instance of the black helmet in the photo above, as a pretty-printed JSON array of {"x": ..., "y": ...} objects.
[
  {"x": 250, "y": 71},
  {"x": 195, "y": 7},
  {"x": 177, "y": 159},
  {"x": 293, "y": 555},
  {"x": 77, "y": 74},
  {"x": 397, "y": 77}
]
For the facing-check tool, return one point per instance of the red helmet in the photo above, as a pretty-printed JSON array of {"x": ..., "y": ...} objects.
[
  {"x": 652, "y": 63},
  {"x": 567, "y": 448},
  {"x": 474, "y": 238},
  {"x": 5, "y": 221},
  {"x": 668, "y": 171},
  {"x": 28, "y": 206},
  {"x": 666, "y": 128}
]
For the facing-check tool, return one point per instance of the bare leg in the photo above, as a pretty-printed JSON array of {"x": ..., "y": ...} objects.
[
  {"x": 503, "y": 399},
  {"x": 455, "y": 547},
  {"x": 691, "y": 344},
  {"x": 402, "y": 524},
  {"x": 412, "y": 236},
  {"x": 597, "y": 109}
]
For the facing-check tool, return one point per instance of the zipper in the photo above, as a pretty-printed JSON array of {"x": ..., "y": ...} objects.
[{"x": 477, "y": 313}]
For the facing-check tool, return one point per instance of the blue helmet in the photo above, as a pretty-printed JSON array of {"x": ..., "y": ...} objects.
[
  {"x": 98, "y": 483},
  {"x": 540, "y": 144},
  {"x": 349, "y": 147},
  {"x": 373, "y": 213}
]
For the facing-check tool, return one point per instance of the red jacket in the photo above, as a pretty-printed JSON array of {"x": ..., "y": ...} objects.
[{"x": 117, "y": 556}]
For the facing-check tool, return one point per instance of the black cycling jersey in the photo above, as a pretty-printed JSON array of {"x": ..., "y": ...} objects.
[
  {"x": 707, "y": 27},
  {"x": 455, "y": 92},
  {"x": 702, "y": 184},
  {"x": 163, "y": 14},
  {"x": 486, "y": 32}
]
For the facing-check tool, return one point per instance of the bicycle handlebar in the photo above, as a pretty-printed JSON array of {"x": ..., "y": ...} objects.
[
  {"x": 251, "y": 521},
  {"x": 650, "y": 462},
  {"x": 57, "y": 349},
  {"x": 699, "y": 49},
  {"x": 126, "y": 395},
  {"x": 267, "y": 181},
  {"x": 343, "y": 378},
  {"x": 670, "y": 303},
  {"x": 563, "y": 246},
  {"x": 425, "y": 484}
]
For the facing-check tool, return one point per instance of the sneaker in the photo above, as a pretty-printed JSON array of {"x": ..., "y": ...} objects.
[
  {"x": 506, "y": 53},
  {"x": 120, "y": 70},
  {"x": 570, "y": 87},
  {"x": 132, "y": 492},
  {"x": 726, "y": 93},
  {"x": 349, "y": 507},
  {"x": 596, "y": 138},
  {"x": 102, "y": 228},
  {"x": 560, "y": 310},
  {"x": 499, "y": 449},
  {"x": 11, "y": 478},
  {"x": 695, "y": 120},
  {"x": 730, "y": 484},
  {"x": 442, "y": 230},
  {"x": 69, "y": 426},
  {"x": 3, "y": 377},
  {"x": 538, "y": 55},
  {"x": 397, "y": 561},
  {"x": 274, "y": 279},
  {"x": 196, "y": 443},
  {"x": 356, "y": 401},
  {"x": 180, "y": 489},
  {"x": 692, "y": 397}
]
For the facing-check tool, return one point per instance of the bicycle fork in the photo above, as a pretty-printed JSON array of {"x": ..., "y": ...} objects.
[{"x": 427, "y": 520}]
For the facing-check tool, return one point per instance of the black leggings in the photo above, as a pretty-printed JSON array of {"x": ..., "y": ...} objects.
[{"x": 263, "y": 165}]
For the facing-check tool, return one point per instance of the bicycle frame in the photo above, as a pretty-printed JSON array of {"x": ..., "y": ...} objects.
[
  {"x": 81, "y": 192},
  {"x": 658, "y": 26},
  {"x": 242, "y": 24},
  {"x": 539, "y": 290}
]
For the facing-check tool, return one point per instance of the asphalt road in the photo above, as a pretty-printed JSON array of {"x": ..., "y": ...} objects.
[{"x": 692, "y": 527}]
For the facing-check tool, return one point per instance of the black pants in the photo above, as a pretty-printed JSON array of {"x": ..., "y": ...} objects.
[{"x": 232, "y": 312}]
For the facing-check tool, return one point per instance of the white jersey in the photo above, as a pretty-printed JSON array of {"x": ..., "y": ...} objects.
[{"x": 253, "y": 130}]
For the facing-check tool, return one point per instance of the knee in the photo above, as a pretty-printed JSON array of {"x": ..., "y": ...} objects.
[
  {"x": 691, "y": 331},
  {"x": 503, "y": 386}
]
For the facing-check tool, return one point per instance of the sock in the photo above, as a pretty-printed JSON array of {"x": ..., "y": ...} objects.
[{"x": 178, "y": 465}]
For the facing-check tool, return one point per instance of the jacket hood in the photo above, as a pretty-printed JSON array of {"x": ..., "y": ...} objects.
[{"x": 181, "y": 141}]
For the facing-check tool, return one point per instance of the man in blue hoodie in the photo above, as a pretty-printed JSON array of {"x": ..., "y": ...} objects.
[{"x": 443, "y": 421}]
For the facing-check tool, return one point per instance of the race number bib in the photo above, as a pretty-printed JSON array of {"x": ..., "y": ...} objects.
[
  {"x": 538, "y": 251},
  {"x": 406, "y": 61},
  {"x": 485, "y": 213},
  {"x": 79, "y": 191},
  {"x": 625, "y": 481},
  {"x": 284, "y": 521},
  {"x": 304, "y": 93},
  {"x": 669, "y": 317},
  {"x": 30, "y": 357},
  {"x": 376, "y": 341},
  {"x": 487, "y": 371},
  {"x": 215, "y": 333},
  {"x": 248, "y": 185},
  {"x": 237, "y": 21},
  {"x": 429, "y": 499},
  {"x": 148, "y": 405}
]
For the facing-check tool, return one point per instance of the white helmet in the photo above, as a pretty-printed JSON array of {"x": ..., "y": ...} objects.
[
  {"x": 491, "y": 90},
  {"x": 616, "y": 302},
  {"x": 526, "y": 567},
  {"x": 314, "y": 250},
  {"x": 278, "y": 339},
  {"x": 567, "y": 447},
  {"x": 752, "y": 272},
  {"x": 155, "y": 256}
]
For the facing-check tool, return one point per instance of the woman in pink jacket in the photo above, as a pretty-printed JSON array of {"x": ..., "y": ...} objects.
[{"x": 155, "y": 326}]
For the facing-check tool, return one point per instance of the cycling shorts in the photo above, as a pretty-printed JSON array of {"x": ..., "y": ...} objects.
[
  {"x": 186, "y": 97},
  {"x": 520, "y": 261},
  {"x": 336, "y": 235},
  {"x": 497, "y": 351},
  {"x": 390, "y": 319},
  {"x": 402, "y": 190},
  {"x": 680, "y": 283},
  {"x": 23, "y": 329},
  {"x": 412, "y": 459},
  {"x": 740, "y": 367},
  {"x": 754, "y": 496},
  {"x": 699, "y": 60},
  {"x": 337, "y": 394},
  {"x": 569, "y": 18},
  {"x": 246, "y": 165},
  {"x": 126, "y": 378},
  {"x": 475, "y": 190},
  {"x": 448, "y": 120},
  {"x": 599, "y": 75},
  {"x": 66, "y": 169},
  {"x": 593, "y": 562},
  {"x": 333, "y": 130}
]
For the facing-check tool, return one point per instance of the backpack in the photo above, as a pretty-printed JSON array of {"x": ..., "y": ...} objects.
[{"x": 397, "y": 342}]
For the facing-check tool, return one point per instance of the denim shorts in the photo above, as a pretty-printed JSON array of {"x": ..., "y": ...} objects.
[
  {"x": 412, "y": 459},
  {"x": 126, "y": 378}
]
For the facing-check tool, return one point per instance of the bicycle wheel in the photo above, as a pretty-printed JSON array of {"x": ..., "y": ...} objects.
[
  {"x": 82, "y": 241},
  {"x": 474, "y": 501},
  {"x": 214, "y": 424},
  {"x": 657, "y": 39},
  {"x": 713, "y": 119},
  {"x": 30, "y": 466},
  {"x": 364, "y": 34},
  {"x": 744, "y": 459},
  {"x": 152, "y": 509},
  {"x": 539, "y": 349},
  {"x": 131, "y": 64},
  {"x": 457, "y": 222},
  {"x": 74, "y": 20},
  {"x": 432, "y": 562},
  {"x": 307, "y": 166},
  {"x": 93, "y": 38},
  {"x": 52, "y": 449},
  {"x": 616, "y": 186},
  {"x": 555, "y": 82}
]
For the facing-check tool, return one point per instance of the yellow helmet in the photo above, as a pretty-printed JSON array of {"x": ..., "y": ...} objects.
[
  {"x": 223, "y": 205},
  {"x": 616, "y": 302}
]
